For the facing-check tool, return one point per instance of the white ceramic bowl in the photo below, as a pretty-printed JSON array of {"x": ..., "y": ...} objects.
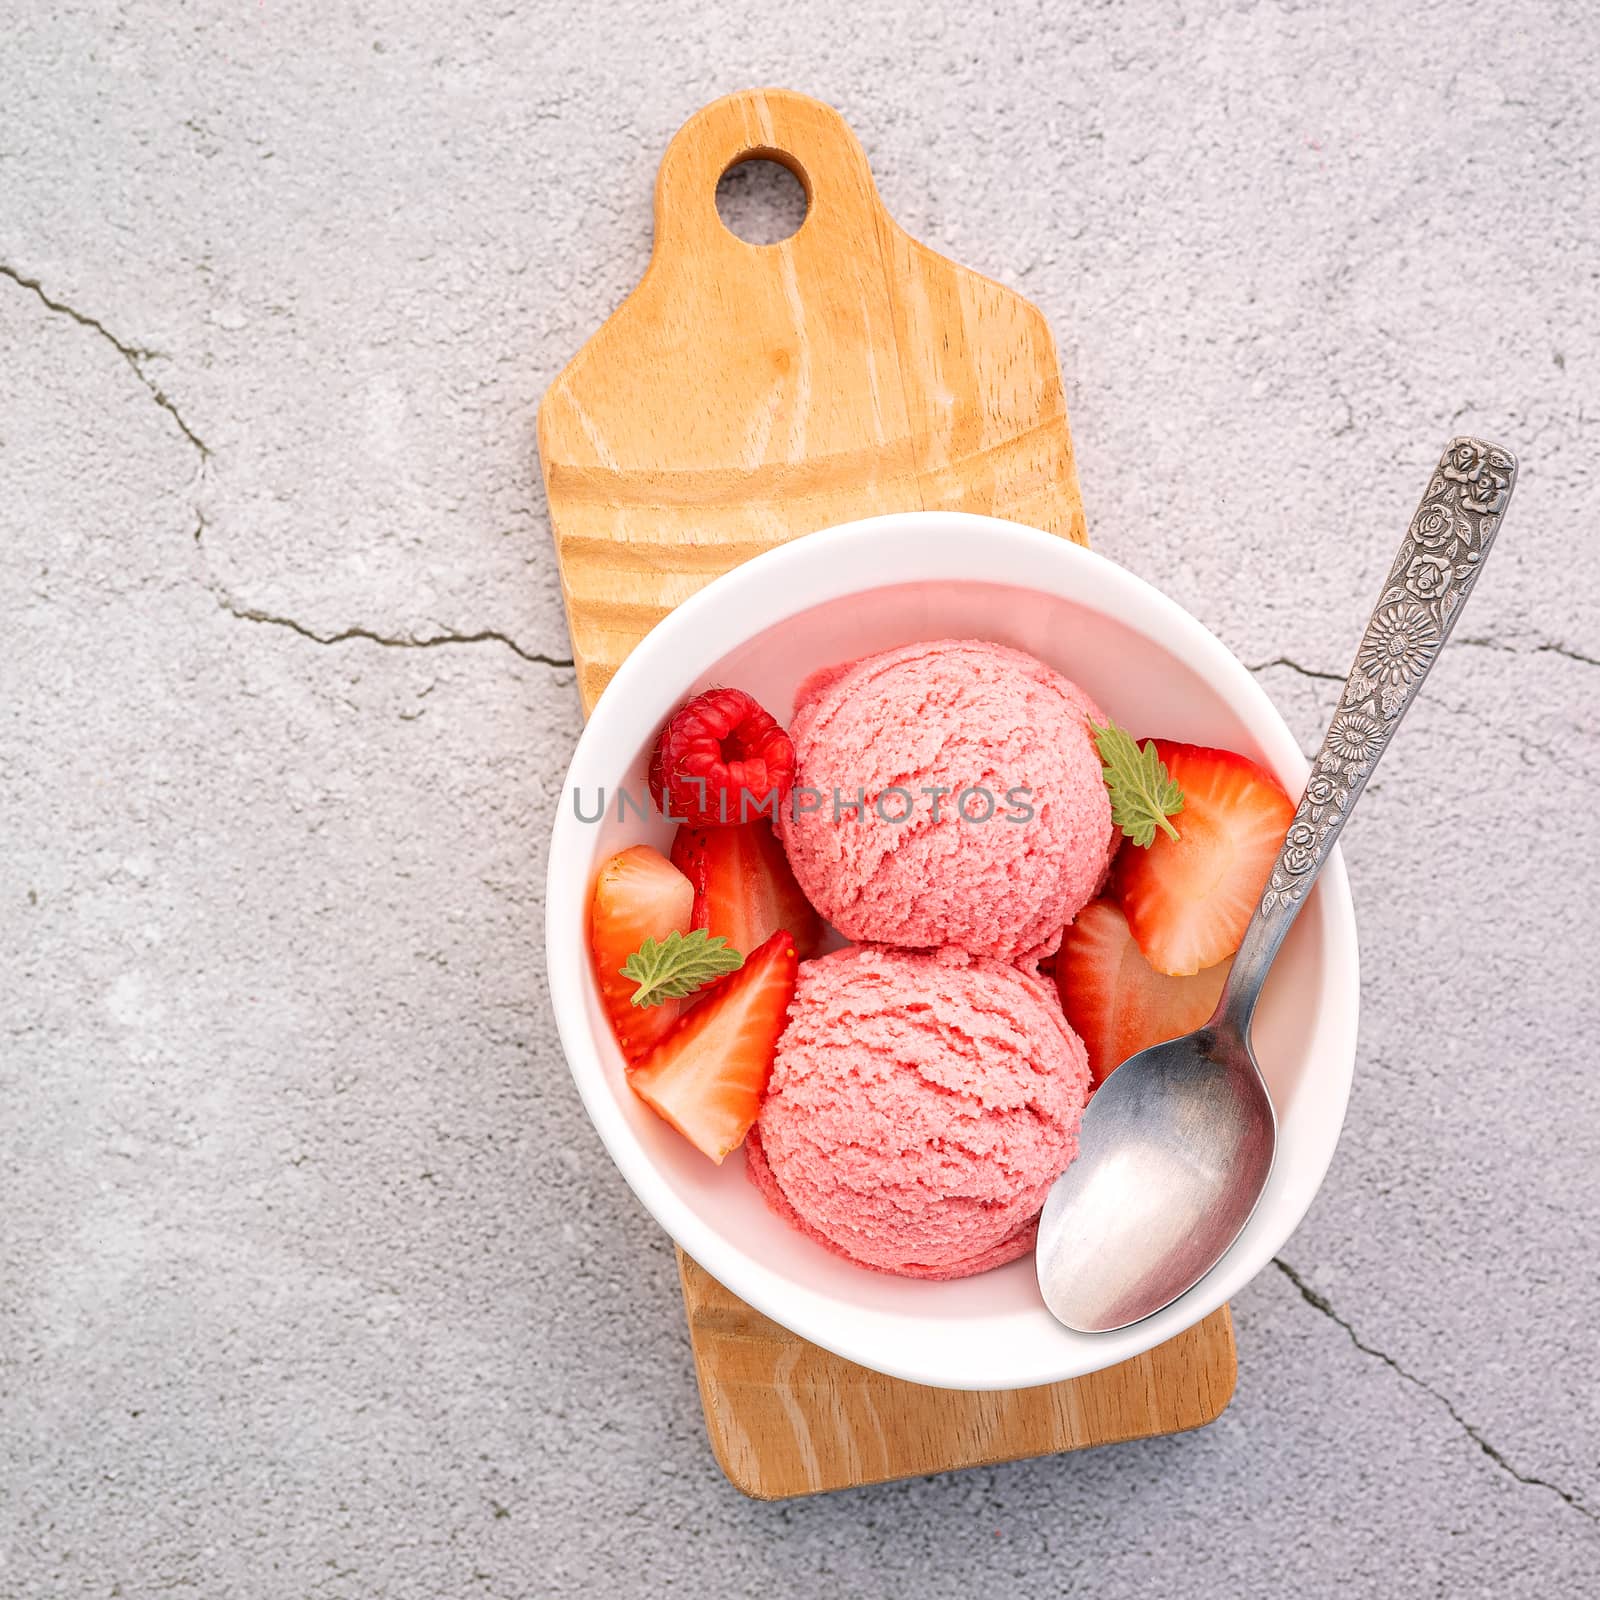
[{"x": 834, "y": 596}]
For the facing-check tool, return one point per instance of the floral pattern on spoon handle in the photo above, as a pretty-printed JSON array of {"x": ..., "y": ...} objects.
[{"x": 1439, "y": 560}]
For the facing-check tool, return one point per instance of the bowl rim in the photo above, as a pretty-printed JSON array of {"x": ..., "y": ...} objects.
[{"x": 858, "y": 557}]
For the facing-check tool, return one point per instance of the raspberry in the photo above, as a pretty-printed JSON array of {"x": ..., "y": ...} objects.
[{"x": 721, "y": 748}]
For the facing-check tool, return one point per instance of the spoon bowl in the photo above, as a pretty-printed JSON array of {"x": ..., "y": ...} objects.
[{"x": 1174, "y": 1152}]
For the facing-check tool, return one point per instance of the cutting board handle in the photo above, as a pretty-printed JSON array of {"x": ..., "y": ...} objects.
[
  {"x": 745, "y": 394},
  {"x": 809, "y": 138}
]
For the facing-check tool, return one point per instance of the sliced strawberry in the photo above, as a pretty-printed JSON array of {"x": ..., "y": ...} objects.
[
  {"x": 639, "y": 895},
  {"x": 721, "y": 760},
  {"x": 743, "y": 888},
  {"x": 707, "y": 1076},
  {"x": 1189, "y": 899},
  {"x": 1115, "y": 1000}
]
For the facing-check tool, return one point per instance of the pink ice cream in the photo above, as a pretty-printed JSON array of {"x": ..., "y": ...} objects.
[
  {"x": 919, "y": 1109},
  {"x": 952, "y": 714}
]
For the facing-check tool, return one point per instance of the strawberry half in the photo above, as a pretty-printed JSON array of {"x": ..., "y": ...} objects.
[
  {"x": 743, "y": 888},
  {"x": 720, "y": 750},
  {"x": 707, "y": 1076},
  {"x": 1189, "y": 899},
  {"x": 639, "y": 895},
  {"x": 1117, "y": 1003}
]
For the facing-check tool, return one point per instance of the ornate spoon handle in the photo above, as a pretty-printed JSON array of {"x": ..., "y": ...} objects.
[{"x": 1440, "y": 558}]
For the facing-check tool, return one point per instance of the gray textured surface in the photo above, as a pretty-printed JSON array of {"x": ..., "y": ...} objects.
[{"x": 315, "y": 1279}]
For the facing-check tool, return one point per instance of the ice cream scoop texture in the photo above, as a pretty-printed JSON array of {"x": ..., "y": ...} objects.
[
  {"x": 920, "y": 1106},
  {"x": 951, "y": 715}
]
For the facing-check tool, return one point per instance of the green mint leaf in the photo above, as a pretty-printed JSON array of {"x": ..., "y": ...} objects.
[
  {"x": 1143, "y": 794},
  {"x": 678, "y": 965}
]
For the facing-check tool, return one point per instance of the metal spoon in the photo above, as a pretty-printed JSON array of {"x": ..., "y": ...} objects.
[{"x": 1177, "y": 1144}]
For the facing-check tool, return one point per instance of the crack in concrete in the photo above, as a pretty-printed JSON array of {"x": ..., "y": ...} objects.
[
  {"x": 1549, "y": 648},
  {"x": 1319, "y": 1303},
  {"x": 431, "y": 642},
  {"x": 1546, "y": 649},
  {"x": 1294, "y": 666},
  {"x": 1562, "y": 650},
  {"x": 134, "y": 355}
]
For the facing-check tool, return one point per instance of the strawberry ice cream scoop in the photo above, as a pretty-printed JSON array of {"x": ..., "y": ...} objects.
[
  {"x": 919, "y": 1108},
  {"x": 997, "y": 863}
]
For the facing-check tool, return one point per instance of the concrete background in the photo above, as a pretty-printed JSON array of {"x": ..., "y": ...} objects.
[{"x": 316, "y": 1281}]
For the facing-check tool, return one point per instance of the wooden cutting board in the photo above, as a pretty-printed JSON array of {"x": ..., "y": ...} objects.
[{"x": 740, "y": 397}]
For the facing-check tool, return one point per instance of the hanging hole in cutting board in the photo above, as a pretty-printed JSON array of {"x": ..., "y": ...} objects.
[{"x": 762, "y": 199}]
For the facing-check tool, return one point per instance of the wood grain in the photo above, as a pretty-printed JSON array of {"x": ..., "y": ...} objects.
[
  {"x": 740, "y": 397},
  {"x": 744, "y": 395},
  {"x": 786, "y": 1418}
]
